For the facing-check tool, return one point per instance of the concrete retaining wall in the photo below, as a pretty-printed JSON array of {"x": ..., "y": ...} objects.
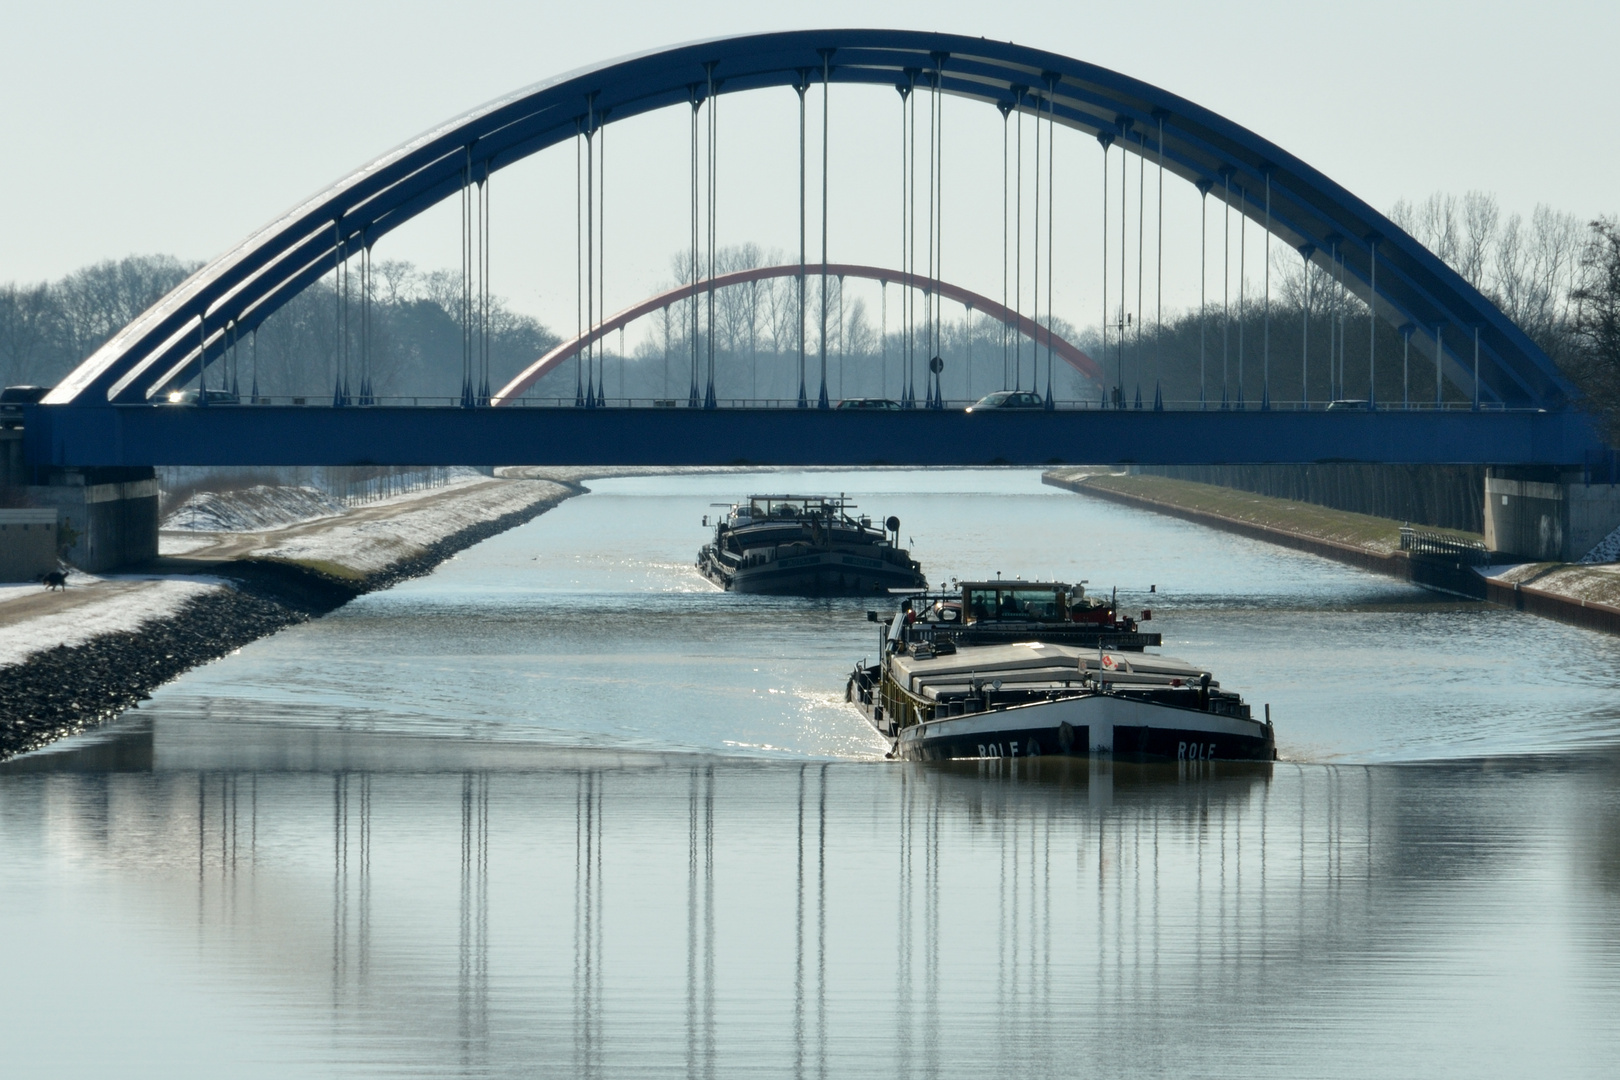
[
  {"x": 13, "y": 472},
  {"x": 1442, "y": 496},
  {"x": 1434, "y": 573},
  {"x": 1587, "y": 613},
  {"x": 1395, "y": 564}
]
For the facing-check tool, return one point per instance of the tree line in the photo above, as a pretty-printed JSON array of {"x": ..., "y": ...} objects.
[
  {"x": 48, "y": 328},
  {"x": 1557, "y": 277},
  {"x": 756, "y": 334},
  {"x": 1554, "y": 275}
]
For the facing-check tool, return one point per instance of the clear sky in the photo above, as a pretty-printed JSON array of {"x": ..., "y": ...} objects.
[{"x": 178, "y": 126}]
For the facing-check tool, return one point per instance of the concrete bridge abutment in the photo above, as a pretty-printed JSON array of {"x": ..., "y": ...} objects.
[
  {"x": 105, "y": 517},
  {"x": 1550, "y": 515}
]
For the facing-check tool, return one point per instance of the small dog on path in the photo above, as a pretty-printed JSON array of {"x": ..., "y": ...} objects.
[{"x": 54, "y": 580}]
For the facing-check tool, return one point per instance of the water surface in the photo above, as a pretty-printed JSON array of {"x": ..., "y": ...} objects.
[{"x": 561, "y": 808}]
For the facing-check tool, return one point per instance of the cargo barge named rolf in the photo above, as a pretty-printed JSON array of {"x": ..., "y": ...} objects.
[{"x": 1024, "y": 669}]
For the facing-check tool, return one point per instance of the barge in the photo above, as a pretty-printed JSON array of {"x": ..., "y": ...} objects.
[
  {"x": 1011, "y": 669},
  {"x": 806, "y": 545}
]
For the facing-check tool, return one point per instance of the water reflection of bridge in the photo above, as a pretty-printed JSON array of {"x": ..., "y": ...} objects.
[{"x": 467, "y": 909}]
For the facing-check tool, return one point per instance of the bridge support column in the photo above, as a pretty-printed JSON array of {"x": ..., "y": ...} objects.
[
  {"x": 106, "y": 517},
  {"x": 1557, "y": 515}
]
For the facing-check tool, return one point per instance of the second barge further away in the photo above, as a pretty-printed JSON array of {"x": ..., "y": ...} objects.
[
  {"x": 1008, "y": 669},
  {"x": 806, "y": 545}
]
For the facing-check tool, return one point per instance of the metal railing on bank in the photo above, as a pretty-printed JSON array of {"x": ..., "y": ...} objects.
[
  {"x": 1418, "y": 541},
  {"x": 385, "y": 483}
]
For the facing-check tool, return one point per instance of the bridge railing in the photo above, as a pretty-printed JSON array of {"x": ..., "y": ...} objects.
[
  {"x": 1425, "y": 542},
  {"x": 1082, "y": 405}
]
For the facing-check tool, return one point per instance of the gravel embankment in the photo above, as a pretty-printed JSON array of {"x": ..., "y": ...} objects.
[
  {"x": 68, "y": 689},
  {"x": 65, "y": 690}
]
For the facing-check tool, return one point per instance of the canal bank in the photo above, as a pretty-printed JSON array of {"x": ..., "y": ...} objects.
[
  {"x": 1582, "y": 595},
  {"x": 74, "y": 658}
]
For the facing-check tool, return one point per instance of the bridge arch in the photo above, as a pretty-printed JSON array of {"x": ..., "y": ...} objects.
[
  {"x": 233, "y": 294},
  {"x": 1065, "y": 350}
]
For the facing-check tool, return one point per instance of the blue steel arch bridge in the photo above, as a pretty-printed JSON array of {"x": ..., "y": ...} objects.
[{"x": 1507, "y": 402}]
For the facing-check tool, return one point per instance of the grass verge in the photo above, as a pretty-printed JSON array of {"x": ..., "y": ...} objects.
[{"x": 1379, "y": 536}]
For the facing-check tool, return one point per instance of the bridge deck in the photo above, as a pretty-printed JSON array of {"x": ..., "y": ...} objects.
[{"x": 292, "y": 435}]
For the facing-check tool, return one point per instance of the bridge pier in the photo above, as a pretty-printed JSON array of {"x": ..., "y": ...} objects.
[
  {"x": 1549, "y": 514},
  {"x": 106, "y": 517}
]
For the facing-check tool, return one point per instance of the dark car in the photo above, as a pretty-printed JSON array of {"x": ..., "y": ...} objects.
[
  {"x": 1347, "y": 404},
  {"x": 13, "y": 398},
  {"x": 1009, "y": 399},
  {"x": 195, "y": 397},
  {"x": 869, "y": 403}
]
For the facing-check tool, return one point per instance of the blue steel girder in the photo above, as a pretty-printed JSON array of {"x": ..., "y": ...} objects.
[
  {"x": 126, "y": 435},
  {"x": 164, "y": 347}
]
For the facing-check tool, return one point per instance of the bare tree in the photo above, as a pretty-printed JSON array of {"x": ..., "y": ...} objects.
[
  {"x": 861, "y": 337},
  {"x": 669, "y": 333},
  {"x": 782, "y": 304},
  {"x": 1433, "y": 223},
  {"x": 1480, "y": 217},
  {"x": 1596, "y": 363},
  {"x": 1528, "y": 268},
  {"x": 731, "y": 304},
  {"x": 1534, "y": 277},
  {"x": 28, "y": 327},
  {"x": 397, "y": 280},
  {"x": 47, "y": 329}
]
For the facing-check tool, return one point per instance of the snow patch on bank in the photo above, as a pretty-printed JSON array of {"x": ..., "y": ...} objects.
[
  {"x": 1606, "y": 552},
  {"x": 374, "y": 544},
  {"x": 179, "y": 543},
  {"x": 76, "y": 579},
  {"x": 124, "y": 604},
  {"x": 275, "y": 506},
  {"x": 360, "y": 539},
  {"x": 17, "y": 592},
  {"x": 258, "y": 507}
]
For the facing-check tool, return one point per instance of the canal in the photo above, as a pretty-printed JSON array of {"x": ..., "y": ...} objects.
[{"x": 563, "y": 809}]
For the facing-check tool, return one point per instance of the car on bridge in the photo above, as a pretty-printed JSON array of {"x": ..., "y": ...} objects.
[
  {"x": 1008, "y": 399},
  {"x": 882, "y": 404},
  {"x": 13, "y": 398}
]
